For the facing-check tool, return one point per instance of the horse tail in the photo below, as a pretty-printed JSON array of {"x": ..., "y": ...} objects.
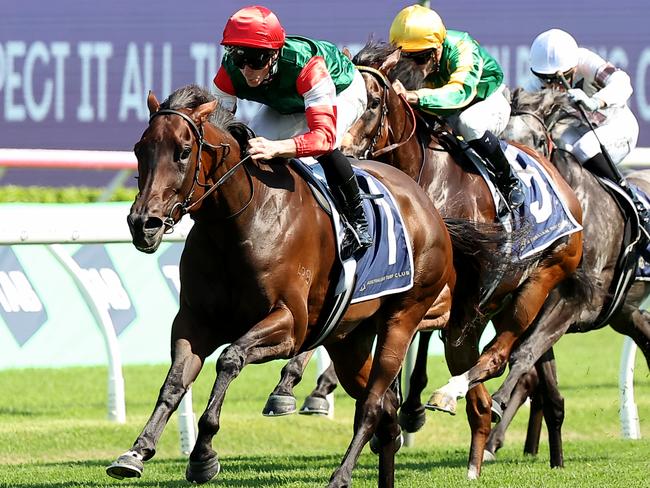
[
  {"x": 480, "y": 262},
  {"x": 475, "y": 245}
]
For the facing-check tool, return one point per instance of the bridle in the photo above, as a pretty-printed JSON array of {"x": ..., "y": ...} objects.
[
  {"x": 381, "y": 77},
  {"x": 550, "y": 145},
  {"x": 547, "y": 126},
  {"x": 186, "y": 206}
]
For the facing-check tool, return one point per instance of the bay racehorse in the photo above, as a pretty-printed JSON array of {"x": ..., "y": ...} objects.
[
  {"x": 389, "y": 131},
  {"x": 383, "y": 132},
  {"x": 263, "y": 295},
  {"x": 540, "y": 119}
]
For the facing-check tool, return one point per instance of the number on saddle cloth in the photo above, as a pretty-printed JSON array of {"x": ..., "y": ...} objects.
[
  {"x": 387, "y": 266},
  {"x": 544, "y": 211}
]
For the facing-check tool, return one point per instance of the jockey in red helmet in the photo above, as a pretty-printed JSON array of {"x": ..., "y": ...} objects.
[{"x": 311, "y": 95}]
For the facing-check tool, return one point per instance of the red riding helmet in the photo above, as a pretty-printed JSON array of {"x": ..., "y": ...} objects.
[{"x": 255, "y": 27}]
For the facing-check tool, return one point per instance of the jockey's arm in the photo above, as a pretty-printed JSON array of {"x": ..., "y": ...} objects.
[
  {"x": 612, "y": 85},
  {"x": 225, "y": 91},
  {"x": 618, "y": 86},
  {"x": 460, "y": 89},
  {"x": 317, "y": 88}
]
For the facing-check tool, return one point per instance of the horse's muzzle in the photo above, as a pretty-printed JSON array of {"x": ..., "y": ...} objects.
[{"x": 146, "y": 232}]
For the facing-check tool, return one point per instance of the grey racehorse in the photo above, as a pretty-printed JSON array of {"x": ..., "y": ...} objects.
[{"x": 541, "y": 120}]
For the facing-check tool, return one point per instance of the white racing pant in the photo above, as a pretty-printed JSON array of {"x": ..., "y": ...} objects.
[
  {"x": 490, "y": 114},
  {"x": 350, "y": 105},
  {"x": 618, "y": 134}
]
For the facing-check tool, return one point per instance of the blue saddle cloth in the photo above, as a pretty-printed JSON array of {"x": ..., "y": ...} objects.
[
  {"x": 544, "y": 213},
  {"x": 643, "y": 268},
  {"x": 387, "y": 266}
]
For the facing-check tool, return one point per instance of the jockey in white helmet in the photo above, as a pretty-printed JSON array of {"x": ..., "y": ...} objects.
[{"x": 598, "y": 86}]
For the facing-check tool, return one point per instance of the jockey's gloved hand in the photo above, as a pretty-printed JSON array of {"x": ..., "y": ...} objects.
[{"x": 579, "y": 96}]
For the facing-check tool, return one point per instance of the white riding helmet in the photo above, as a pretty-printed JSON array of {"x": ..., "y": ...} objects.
[{"x": 553, "y": 51}]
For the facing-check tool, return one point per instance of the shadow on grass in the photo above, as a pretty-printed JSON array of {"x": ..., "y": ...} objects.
[
  {"x": 237, "y": 471},
  {"x": 266, "y": 471}
]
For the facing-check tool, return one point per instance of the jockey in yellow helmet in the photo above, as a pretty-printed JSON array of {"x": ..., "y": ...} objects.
[{"x": 462, "y": 82}]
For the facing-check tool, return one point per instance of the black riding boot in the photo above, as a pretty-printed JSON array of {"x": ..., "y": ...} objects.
[
  {"x": 600, "y": 166},
  {"x": 345, "y": 188},
  {"x": 488, "y": 147}
]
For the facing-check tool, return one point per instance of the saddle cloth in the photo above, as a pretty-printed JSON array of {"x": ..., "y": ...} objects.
[
  {"x": 643, "y": 267},
  {"x": 544, "y": 213},
  {"x": 387, "y": 266}
]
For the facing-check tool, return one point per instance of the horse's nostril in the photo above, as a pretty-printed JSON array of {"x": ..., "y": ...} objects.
[{"x": 153, "y": 223}]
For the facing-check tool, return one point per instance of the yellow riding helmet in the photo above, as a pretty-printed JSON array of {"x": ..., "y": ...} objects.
[{"x": 417, "y": 28}]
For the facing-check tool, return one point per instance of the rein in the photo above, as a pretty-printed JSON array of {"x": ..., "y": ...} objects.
[
  {"x": 384, "y": 113},
  {"x": 186, "y": 206}
]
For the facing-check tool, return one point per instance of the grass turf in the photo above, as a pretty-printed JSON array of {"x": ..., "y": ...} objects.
[{"x": 54, "y": 432}]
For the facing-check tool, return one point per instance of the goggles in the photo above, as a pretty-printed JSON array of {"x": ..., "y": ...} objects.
[
  {"x": 553, "y": 78},
  {"x": 252, "y": 57},
  {"x": 419, "y": 57}
]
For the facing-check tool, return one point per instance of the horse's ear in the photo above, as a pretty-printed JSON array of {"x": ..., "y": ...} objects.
[
  {"x": 347, "y": 53},
  {"x": 203, "y": 112},
  {"x": 152, "y": 103},
  {"x": 390, "y": 61}
]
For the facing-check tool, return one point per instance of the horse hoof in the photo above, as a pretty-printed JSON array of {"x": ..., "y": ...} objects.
[
  {"x": 442, "y": 402},
  {"x": 412, "y": 421},
  {"x": 489, "y": 456},
  {"x": 202, "y": 471},
  {"x": 315, "y": 406},
  {"x": 473, "y": 473},
  {"x": 497, "y": 412},
  {"x": 126, "y": 466},
  {"x": 279, "y": 405},
  {"x": 374, "y": 443}
]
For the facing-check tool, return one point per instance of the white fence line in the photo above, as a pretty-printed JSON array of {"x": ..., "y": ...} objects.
[{"x": 122, "y": 160}]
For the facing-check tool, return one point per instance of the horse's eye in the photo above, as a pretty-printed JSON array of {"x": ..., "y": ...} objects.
[
  {"x": 374, "y": 103},
  {"x": 186, "y": 153}
]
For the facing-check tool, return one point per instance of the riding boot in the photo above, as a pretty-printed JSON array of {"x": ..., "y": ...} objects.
[
  {"x": 601, "y": 166},
  {"x": 352, "y": 206},
  {"x": 345, "y": 188},
  {"x": 488, "y": 147}
]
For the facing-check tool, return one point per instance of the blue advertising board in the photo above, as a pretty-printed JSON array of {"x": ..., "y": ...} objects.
[{"x": 74, "y": 74}]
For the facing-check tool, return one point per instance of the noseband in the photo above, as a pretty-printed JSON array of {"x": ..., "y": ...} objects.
[{"x": 186, "y": 206}]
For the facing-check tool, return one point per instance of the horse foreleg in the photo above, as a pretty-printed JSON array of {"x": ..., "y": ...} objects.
[
  {"x": 392, "y": 343},
  {"x": 282, "y": 401},
  {"x": 556, "y": 317},
  {"x": 553, "y": 406},
  {"x": 478, "y": 409},
  {"x": 388, "y": 436},
  {"x": 525, "y": 387},
  {"x": 186, "y": 364},
  {"x": 535, "y": 419},
  {"x": 412, "y": 413},
  {"x": 268, "y": 339},
  {"x": 316, "y": 402},
  {"x": 460, "y": 355}
]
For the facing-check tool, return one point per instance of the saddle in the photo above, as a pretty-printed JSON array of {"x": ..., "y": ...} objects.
[{"x": 463, "y": 154}]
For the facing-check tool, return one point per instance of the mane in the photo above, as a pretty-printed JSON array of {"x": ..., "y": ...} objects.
[
  {"x": 191, "y": 96},
  {"x": 543, "y": 102},
  {"x": 374, "y": 53}
]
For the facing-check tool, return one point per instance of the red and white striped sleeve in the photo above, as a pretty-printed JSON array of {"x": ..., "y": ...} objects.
[
  {"x": 317, "y": 88},
  {"x": 225, "y": 91}
]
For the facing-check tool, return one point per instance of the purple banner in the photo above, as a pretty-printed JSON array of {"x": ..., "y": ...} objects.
[{"x": 74, "y": 74}]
